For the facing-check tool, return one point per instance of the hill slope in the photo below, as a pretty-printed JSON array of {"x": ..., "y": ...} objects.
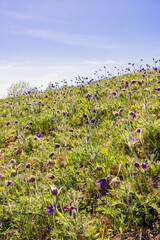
[{"x": 82, "y": 162}]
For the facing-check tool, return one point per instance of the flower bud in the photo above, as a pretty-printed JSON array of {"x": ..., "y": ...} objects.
[
  {"x": 31, "y": 179},
  {"x": 53, "y": 190}
]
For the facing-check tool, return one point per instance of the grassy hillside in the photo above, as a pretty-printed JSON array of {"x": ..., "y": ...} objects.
[{"x": 82, "y": 162}]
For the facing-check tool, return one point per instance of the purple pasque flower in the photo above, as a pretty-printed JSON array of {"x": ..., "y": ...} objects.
[
  {"x": 93, "y": 120},
  {"x": 138, "y": 130},
  {"x": 126, "y": 84},
  {"x": 8, "y": 183},
  {"x": 57, "y": 145},
  {"x": 51, "y": 154},
  {"x": 93, "y": 110},
  {"x": 144, "y": 165},
  {"x": 155, "y": 69},
  {"x": 50, "y": 209},
  {"x": 69, "y": 208},
  {"x": 102, "y": 182},
  {"x": 28, "y": 165},
  {"x": 131, "y": 138},
  {"x": 132, "y": 116},
  {"x": 114, "y": 93},
  {"x": 84, "y": 115},
  {"x": 157, "y": 89},
  {"x": 7, "y": 123},
  {"x": 38, "y": 134},
  {"x": 88, "y": 96}
]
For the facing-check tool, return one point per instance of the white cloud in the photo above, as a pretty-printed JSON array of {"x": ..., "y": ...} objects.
[{"x": 89, "y": 41}]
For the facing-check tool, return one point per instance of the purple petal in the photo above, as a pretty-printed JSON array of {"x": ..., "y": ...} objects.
[{"x": 48, "y": 211}]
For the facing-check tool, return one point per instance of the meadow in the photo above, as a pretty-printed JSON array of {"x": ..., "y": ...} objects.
[{"x": 82, "y": 162}]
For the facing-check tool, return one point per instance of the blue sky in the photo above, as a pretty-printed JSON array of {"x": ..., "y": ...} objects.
[{"x": 44, "y": 41}]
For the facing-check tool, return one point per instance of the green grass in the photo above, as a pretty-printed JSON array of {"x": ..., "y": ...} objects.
[{"x": 108, "y": 148}]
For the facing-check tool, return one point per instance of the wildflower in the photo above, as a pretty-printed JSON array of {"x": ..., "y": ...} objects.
[
  {"x": 155, "y": 69},
  {"x": 93, "y": 120},
  {"x": 119, "y": 107},
  {"x": 114, "y": 93},
  {"x": 53, "y": 190},
  {"x": 50, "y": 175},
  {"x": 157, "y": 89},
  {"x": 140, "y": 82},
  {"x": 133, "y": 81},
  {"x": 38, "y": 134},
  {"x": 50, "y": 209},
  {"x": 93, "y": 110},
  {"x": 88, "y": 96},
  {"x": 16, "y": 121},
  {"x": 115, "y": 113},
  {"x": 8, "y": 183},
  {"x": 74, "y": 105},
  {"x": 51, "y": 154},
  {"x": 131, "y": 138},
  {"x": 115, "y": 182},
  {"x": 136, "y": 164},
  {"x": 70, "y": 130},
  {"x": 35, "y": 138},
  {"x": 132, "y": 114},
  {"x": 57, "y": 145},
  {"x": 13, "y": 173},
  {"x": 28, "y": 165},
  {"x": 144, "y": 165},
  {"x": 31, "y": 123},
  {"x": 102, "y": 182},
  {"x": 126, "y": 84},
  {"x": 53, "y": 129},
  {"x": 12, "y": 161},
  {"x": 7, "y": 123},
  {"x": 69, "y": 208},
  {"x": 31, "y": 179},
  {"x": 121, "y": 110},
  {"x": 138, "y": 130},
  {"x": 84, "y": 115}
]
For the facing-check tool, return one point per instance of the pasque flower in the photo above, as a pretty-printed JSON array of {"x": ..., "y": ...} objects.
[
  {"x": 157, "y": 89},
  {"x": 69, "y": 208},
  {"x": 8, "y": 183},
  {"x": 50, "y": 209},
  {"x": 102, "y": 182},
  {"x": 38, "y": 134},
  {"x": 132, "y": 116},
  {"x": 144, "y": 165}
]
